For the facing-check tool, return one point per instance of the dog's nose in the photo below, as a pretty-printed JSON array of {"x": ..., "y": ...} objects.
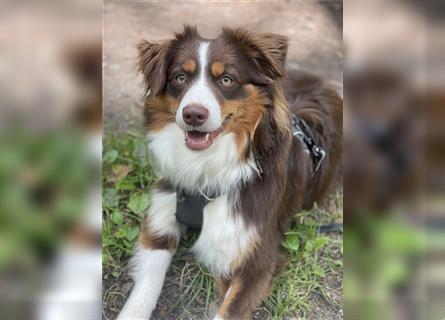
[{"x": 195, "y": 115}]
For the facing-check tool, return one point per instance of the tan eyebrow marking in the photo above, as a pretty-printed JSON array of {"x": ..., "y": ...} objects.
[
  {"x": 189, "y": 66},
  {"x": 217, "y": 69}
]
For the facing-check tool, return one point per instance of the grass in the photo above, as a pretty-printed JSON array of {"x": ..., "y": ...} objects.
[{"x": 308, "y": 288}]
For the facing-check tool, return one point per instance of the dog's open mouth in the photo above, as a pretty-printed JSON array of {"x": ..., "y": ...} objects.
[{"x": 198, "y": 141}]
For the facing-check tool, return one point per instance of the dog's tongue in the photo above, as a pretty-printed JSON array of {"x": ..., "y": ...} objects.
[{"x": 198, "y": 141}]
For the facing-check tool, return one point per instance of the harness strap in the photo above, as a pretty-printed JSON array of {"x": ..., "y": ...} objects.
[{"x": 301, "y": 130}]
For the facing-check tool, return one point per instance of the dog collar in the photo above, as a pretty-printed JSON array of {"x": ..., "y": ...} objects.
[
  {"x": 190, "y": 207},
  {"x": 301, "y": 130}
]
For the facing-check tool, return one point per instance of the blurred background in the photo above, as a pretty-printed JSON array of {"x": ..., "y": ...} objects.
[
  {"x": 50, "y": 156},
  {"x": 394, "y": 159}
]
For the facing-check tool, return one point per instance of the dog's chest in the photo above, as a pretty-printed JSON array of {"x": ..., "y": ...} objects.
[{"x": 224, "y": 237}]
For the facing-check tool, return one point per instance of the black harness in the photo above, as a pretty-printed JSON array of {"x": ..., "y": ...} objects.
[
  {"x": 190, "y": 207},
  {"x": 301, "y": 130}
]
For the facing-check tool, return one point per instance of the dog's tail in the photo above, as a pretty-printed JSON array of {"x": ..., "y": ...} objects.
[{"x": 321, "y": 108}]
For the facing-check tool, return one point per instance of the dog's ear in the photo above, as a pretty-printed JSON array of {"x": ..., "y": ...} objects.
[
  {"x": 153, "y": 65},
  {"x": 267, "y": 50}
]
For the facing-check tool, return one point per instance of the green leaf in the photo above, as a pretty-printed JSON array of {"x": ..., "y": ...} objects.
[
  {"x": 320, "y": 242},
  {"x": 128, "y": 244},
  {"x": 138, "y": 203},
  {"x": 110, "y": 198},
  {"x": 309, "y": 247},
  {"x": 119, "y": 172},
  {"x": 132, "y": 233},
  {"x": 106, "y": 242},
  {"x": 121, "y": 233},
  {"x": 111, "y": 156},
  {"x": 117, "y": 217},
  {"x": 292, "y": 242},
  {"x": 125, "y": 185}
]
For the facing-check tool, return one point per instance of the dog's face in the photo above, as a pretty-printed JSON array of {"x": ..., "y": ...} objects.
[{"x": 212, "y": 87}]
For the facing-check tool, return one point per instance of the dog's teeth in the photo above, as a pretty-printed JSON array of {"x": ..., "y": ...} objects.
[{"x": 207, "y": 136}]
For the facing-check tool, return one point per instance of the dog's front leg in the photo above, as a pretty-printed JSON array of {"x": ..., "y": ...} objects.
[
  {"x": 249, "y": 284},
  {"x": 244, "y": 293},
  {"x": 158, "y": 240}
]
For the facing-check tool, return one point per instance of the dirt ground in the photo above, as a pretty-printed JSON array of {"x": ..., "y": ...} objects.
[{"x": 314, "y": 30}]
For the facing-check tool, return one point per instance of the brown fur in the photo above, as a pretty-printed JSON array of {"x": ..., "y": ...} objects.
[
  {"x": 246, "y": 293},
  {"x": 244, "y": 116},
  {"x": 160, "y": 111},
  {"x": 267, "y": 50},
  {"x": 152, "y": 65},
  {"x": 286, "y": 185},
  {"x": 217, "y": 69},
  {"x": 189, "y": 66},
  {"x": 149, "y": 240},
  {"x": 223, "y": 285},
  {"x": 322, "y": 109}
]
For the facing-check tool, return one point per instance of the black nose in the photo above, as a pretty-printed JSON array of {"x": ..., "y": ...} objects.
[{"x": 195, "y": 115}]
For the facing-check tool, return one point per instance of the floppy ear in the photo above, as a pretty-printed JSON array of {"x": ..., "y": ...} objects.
[
  {"x": 153, "y": 64},
  {"x": 267, "y": 50}
]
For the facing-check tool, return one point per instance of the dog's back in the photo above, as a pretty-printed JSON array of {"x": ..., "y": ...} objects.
[{"x": 320, "y": 106}]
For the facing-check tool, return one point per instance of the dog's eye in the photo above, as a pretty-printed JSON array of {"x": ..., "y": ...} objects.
[
  {"x": 226, "y": 81},
  {"x": 180, "y": 78}
]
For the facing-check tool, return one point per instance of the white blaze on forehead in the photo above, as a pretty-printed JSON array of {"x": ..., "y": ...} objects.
[{"x": 201, "y": 93}]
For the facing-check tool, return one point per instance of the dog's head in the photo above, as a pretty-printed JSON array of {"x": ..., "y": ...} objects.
[{"x": 212, "y": 87}]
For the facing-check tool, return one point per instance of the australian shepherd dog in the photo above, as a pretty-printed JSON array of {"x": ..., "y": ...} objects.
[{"x": 226, "y": 123}]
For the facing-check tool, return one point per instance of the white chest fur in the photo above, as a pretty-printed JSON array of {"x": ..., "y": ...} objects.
[
  {"x": 217, "y": 169},
  {"x": 224, "y": 237}
]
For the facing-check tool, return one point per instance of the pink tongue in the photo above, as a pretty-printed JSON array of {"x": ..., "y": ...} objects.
[{"x": 196, "y": 140}]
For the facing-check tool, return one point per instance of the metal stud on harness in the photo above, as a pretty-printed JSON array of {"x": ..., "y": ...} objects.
[{"x": 301, "y": 130}]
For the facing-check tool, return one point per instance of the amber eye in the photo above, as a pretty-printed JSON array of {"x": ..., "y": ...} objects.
[
  {"x": 180, "y": 78},
  {"x": 226, "y": 81}
]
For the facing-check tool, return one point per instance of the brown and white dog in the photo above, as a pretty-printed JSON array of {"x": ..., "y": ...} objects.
[{"x": 218, "y": 116}]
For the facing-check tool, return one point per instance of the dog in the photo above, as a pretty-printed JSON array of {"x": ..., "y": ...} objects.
[{"x": 226, "y": 125}]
